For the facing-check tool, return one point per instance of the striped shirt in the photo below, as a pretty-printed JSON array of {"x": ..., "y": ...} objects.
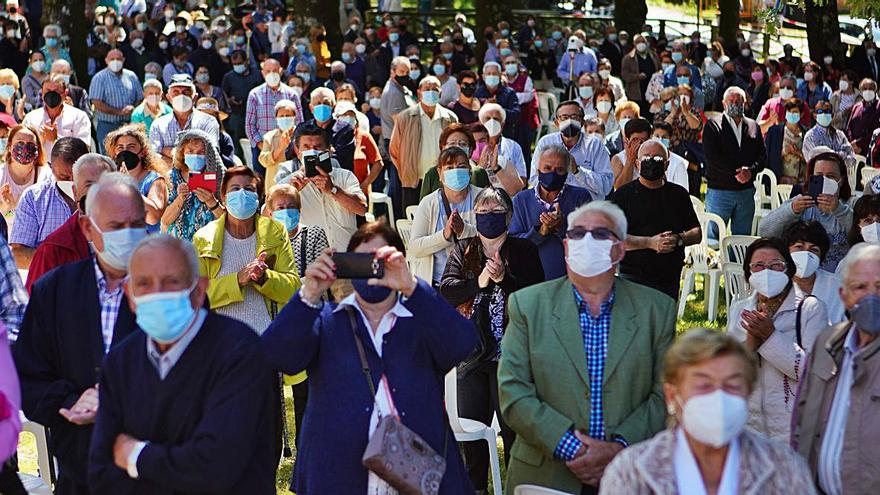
[
  {"x": 41, "y": 210},
  {"x": 831, "y": 451},
  {"x": 163, "y": 132},
  {"x": 116, "y": 91},
  {"x": 13, "y": 297},
  {"x": 260, "y": 117},
  {"x": 110, "y": 302}
]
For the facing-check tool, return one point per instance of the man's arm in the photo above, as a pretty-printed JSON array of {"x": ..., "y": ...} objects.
[
  {"x": 349, "y": 195},
  {"x": 105, "y": 477},
  {"x": 23, "y": 238},
  {"x": 23, "y": 255},
  {"x": 105, "y": 108},
  {"x": 250, "y": 121}
]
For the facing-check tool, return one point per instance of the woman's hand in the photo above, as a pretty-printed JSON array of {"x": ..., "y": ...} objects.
[
  {"x": 182, "y": 191},
  {"x": 827, "y": 203},
  {"x": 255, "y": 271},
  {"x": 758, "y": 325},
  {"x": 484, "y": 278},
  {"x": 203, "y": 195},
  {"x": 319, "y": 276},
  {"x": 397, "y": 274},
  {"x": 801, "y": 203},
  {"x": 454, "y": 225},
  {"x": 496, "y": 268}
]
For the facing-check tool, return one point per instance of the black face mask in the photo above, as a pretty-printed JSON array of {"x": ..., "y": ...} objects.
[
  {"x": 457, "y": 41},
  {"x": 338, "y": 76},
  {"x": 130, "y": 159},
  {"x": 728, "y": 74},
  {"x": 468, "y": 90},
  {"x": 52, "y": 99},
  {"x": 403, "y": 80},
  {"x": 652, "y": 170}
]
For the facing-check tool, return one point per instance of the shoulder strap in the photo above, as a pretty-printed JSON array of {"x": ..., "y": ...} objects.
[
  {"x": 303, "y": 239},
  {"x": 360, "y": 347},
  {"x": 444, "y": 202},
  {"x": 797, "y": 321}
]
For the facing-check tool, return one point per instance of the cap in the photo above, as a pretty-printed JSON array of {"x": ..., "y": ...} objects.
[
  {"x": 181, "y": 80},
  {"x": 343, "y": 107},
  {"x": 209, "y": 105}
]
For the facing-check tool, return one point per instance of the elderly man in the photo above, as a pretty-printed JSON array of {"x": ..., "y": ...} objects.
[
  {"x": 864, "y": 118},
  {"x": 579, "y": 376},
  {"x": 260, "y": 116},
  {"x": 340, "y": 134},
  {"x": 541, "y": 214},
  {"x": 67, "y": 243},
  {"x": 396, "y": 97},
  {"x": 187, "y": 403},
  {"x": 773, "y": 111},
  {"x": 593, "y": 163},
  {"x": 577, "y": 60},
  {"x": 77, "y": 95},
  {"x": 338, "y": 77},
  {"x": 660, "y": 222},
  {"x": 163, "y": 132},
  {"x": 59, "y": 359},
  {"x": 509, "y": 152},
  {"x": 834, "y": 425},
  {"x": 237, "y": 85},
  {"x": 114, "y": 92},
  {"x": 46, "y": 205},
  {"x": 735, "y": 152},
  {"x": 56, "y": 119},
  {"x": 415, "y": 141},
  {"x": 493, "y": 90}
]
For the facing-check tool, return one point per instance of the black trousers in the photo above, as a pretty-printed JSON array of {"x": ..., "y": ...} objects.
[
  {"x": 67, "y": 486},
  {"x": 478, "y": 400},
  {"x": 409, "y": 196},
  {"x": 670, "y": 288}
]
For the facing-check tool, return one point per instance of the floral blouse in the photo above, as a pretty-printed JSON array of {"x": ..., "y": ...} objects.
[{"x": 194, "y": 214}]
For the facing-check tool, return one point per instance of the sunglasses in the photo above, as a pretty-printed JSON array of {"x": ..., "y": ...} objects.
[
  {"x": 655, "y": 159},
  {"x": 599, "y": 233},
  {"x": 821, "y": 111}
]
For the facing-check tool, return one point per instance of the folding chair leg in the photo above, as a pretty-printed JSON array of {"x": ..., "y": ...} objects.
[
  {"x": 686, "y": 288},
  {"x": 711, "y": 289},
  {"x": 494, "y": 463}
]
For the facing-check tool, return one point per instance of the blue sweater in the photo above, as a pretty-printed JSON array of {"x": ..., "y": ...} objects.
[
  {"x": 210, "y": 423},
  {"x": 416, "y": 355},
  {"x": 526, "y": 224}
]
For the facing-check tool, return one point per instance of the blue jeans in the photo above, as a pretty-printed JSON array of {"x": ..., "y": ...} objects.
[
  {"x": 104, "y": 128},
  {"x": 738, "y": 207}
]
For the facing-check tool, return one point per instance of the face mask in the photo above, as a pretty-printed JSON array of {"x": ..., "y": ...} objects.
[
  {"x": 273, "y": 79},
  {"x": 302, "y": 48},
  {"x": 492, "y": 81},
  {"x": 24, "y": 153},
  {"x": 165, "y": 316},
  {"x": 505, "y": 32},
  {"x": 337, "y": 76},
  {"x": 641, "y": 47},
  {"x": 677, "y": 56},
  {"x": 551, "y": 181},
  {"x": 786, "y": 93},
  {"x": 758, "y": 76},
  {"x": 806, "y": 262},
  {"x": 38, "y": 65},
  {"x": 195, "y": 163},
  {"x": 51, "y": 42},
  {"x": 239, "y": 68},
  {"x": 7, "y": 91},
  {"x": 52, "y": 99},
  {"x": 571, "y": 128},
  {"x": 393, "y": 37},
  {"x": 604, "y": 73},
  {"x": 870, "y": 232},
  {"x": 585, "y": 92},
  {"x": 163, "y": 45},
  {"x": 403, "y": 80},
  {"x": 3, "y": 142},
  {"x": 589, "y": 257},
  {"x": 666, "y": 66},
  {"x": 370, "y": 293},
  {"x": 828, "y": 59},
  {"x": 182, "y": 103},
  {"x": 346, "y": 57},
  {"x": 869, "y": 95},
  {"x": 456, "y": 179},
  {"x": 207, "y": 44},
  {"x": 866, "y": 314},
  {"x": 203, "y": 78},
  {"x": 808, "y": 76},
  {"x": 506, "y": 52},
  {"x": 360, "y": 49},
  {"x": 665, "y": 141},
  {"x": 239, "y": 40},
  {"x": 792, "y": 117},
  {"x": 735, "y": 110},
  {"x": 844, "y": 85},
  {"x": 612, "y": 37},
  {"x": 493, "y": 127},
  {"x": 622, "y": 123},
  {"x": 169, "y": 14},
  {"x": 746, "y": 52},
  {"x": 297, "y": 90},
  {"x": 468, "y": 90},
  {"x": 769, "y": 283},
  {"x": 491, "y": 225},
  {"x": 823, "y": 119},
  {"x": 242, "y": 204},
  {"x": 149, "y": 75},
  {"x": 142, "y": 26},
  {"x": 352, "y": 121},
  {"x": 557, "y": 35},
  {"x": 511, "y": 69},
  {"x": 431, "y": 98},
  {"x": 668, "y": 106},
  {"x": 288, "y": 217},
  {"x": 137, "y": 43},
  {"x": 322, "y": 112},
  {"x": 128, "y": 159},
  {"x": 375, "y": 103},
  {"x": 714, "y": 419},
  {"x": 118, "y": 245},
  {"x": 285, "y": 123},
  {"x": 114, "y": 65},
  {"x": 415, "y": 74},
  {"x": 603, "y": 106},
  {"x": 180, "y": 28},
  {"x": 539, "y": 43},
  {"x": 652, "y": 170},
  {"x": 223, "y": 51}
]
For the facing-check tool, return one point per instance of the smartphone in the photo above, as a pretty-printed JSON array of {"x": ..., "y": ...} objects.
[
  {"x": 358, "y": 265},
  {"x": 203, "y": 181},
  {"x": 314, "y": 162},
  {"x": 815, "y": 186}
]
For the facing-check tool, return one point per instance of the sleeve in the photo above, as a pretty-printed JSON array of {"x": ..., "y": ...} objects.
[
  {"x": 83, "y": 128},
  {"x": 352, "y": 186},
  {"x": 780, "y": 349},
  {"x": 774, "y": 222},
  {"x": 424, "y": 239},
  {"x": 293, "y": 339},
  {"x": 601, "y": 178},
  {"x": 528, "y": 92},
  {"x": 562, "y": 68},
  {"x": 105, "y": 477},
  {"x": 250, "y": 120},
  {"x": 24, "y": 227},
  {"x": 156, "y": 140},
  {"x": 282, "y": 280},
  {"x": 223, "y": 290},
  {"x": 567, "y": 447},
  {"x": 450, "y": 336},
  {"x": 513, "y": 109},
  {"x": 455, "y": 286},
  {"x": 96, "y": 88},
  {"x": 521, "y": 226}
]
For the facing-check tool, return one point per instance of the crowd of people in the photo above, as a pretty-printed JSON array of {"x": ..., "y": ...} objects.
[{"x": 175, "y": 219}]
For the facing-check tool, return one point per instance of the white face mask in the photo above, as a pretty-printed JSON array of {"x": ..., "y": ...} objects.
[
  {"x": 66, "y": 187},
  {"x": 588, "y": 257},
  {"x": 715, "y": 418},
  {"x": 182, "y": 103},
  {"x": 844, "y": 85},
  {"x": 871, "y": 233},
  {"x": 603, "y": 106},
  {"x": 115, "y": 65},
  {"x": 604, "y": 73},
  {"x": 769, "y": 283},
  {"x": 153, "y": 100},
  {"x": 493, "y": 127},
  {"x": 786, "y": 93},
  {"x": 869, "y": 95},
  {"x": 806, "y": 262},
  {"x": 273, "y": 79}
]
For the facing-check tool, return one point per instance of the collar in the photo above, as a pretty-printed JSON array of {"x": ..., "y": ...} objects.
[
  {"x": 733, "y": 122},
  {"x": 606, "y": 305},
  {"x": 172, "y": 355},
  {"x": 398, "y": 310},
  {"x": 436, "y": 113},
  {"x": 851, "y": 342},
  {"x": 213, "y": 247},
  {"x": 99, "y": 276}
]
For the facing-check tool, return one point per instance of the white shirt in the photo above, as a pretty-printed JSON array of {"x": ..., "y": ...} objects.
[
  {"x": 276, "y": 36},
  {"x": 322, "y": 209},
  {"x": 827, "y": 289},
  {"x": 432, "y": 127},
  {"x": 835, "y": 429},
  {"x": 71, "y": 122},
  {"x": 676, "y": 172},
  {"x": 449, "y": 91},
  {"x": 688, "y": 479},
  {"x": 384, "y": 399},
  {"x": 737, "y": 129},
  {"x": 511, "y": 153}
]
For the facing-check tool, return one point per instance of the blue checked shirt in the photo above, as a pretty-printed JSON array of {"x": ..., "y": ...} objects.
[
  {"x": 40, "y": 211},
  {"x": 595, "y": 332},
  {"x": 13, "y": 297},
  {"x": 110, "y": 302},
  {"x": 117, "y": 91}
]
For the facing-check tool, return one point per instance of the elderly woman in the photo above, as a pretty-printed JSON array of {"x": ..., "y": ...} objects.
[
  {"x": 189, "y": 210},
  {"x": 808, "y": 244},
  {"x": 843, "y": 99},
  {"x": 443, "y": 216},
  {"x": 500, "y": 151},
  {"x": 604, "y": 101},
  {"x": 410, "y": 338},
  {"x": 367, "y": 158},
  {"x": 281, "y": 139},
  {"x": 784, "y": 144},
  {"x": 780, "y": 325},
  {"x": 825, "y": 134},
  {"x": 52, "y": 49},
  {"x": 283, "y": 204},
  {"x": 460, "y": 136},
  {"x": 246, "y": 256},
  {"x": 32, "y": 82},
  {"x": 830, "y": 207},
  {"x": 153, "y": 106},
  {"x": 129, "y": 147},
  {"x": 609, "y": 82},
  {"x": 480, "y": 275},
  {"x": 866, "y": 221},
  {"x": 22, "y": 166},
  {"x": 708, "y": 376},
  {"x": 11, "y": 101}
]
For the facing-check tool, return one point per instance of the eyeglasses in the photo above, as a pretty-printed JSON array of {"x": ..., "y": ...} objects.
[
  {"x": 820, "y": 111},
  {"x": 458, "y": 144},
  {"x": 599, "y": 233},
  {"x": 775, "y": 265},
  {"x": 574, "y": 116}
]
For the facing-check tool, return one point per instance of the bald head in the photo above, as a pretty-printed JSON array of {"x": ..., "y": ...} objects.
[{"x": 115, "y": 202}]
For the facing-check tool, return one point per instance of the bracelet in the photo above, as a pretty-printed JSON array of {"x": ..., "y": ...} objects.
[{"x": 216, "y": 205}]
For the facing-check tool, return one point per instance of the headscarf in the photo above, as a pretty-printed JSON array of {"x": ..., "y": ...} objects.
[{"x": 194, "y": 214}]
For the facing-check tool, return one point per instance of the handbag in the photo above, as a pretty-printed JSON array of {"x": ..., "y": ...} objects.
[{"x": 394, "y": 452}]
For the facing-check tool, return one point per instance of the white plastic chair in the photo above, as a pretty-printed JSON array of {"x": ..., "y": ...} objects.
[
  {"x": 764, "y": 202},
  {"x": 245, "y": 144},
  {"x": 34, "y": 485},
  {"x": 380, "y": 197},
  {"x": 536, "y": 490},
  {"x": 547, "y": 103},
  {"x": 699, "y": 206},
  {"x": 783, "y": 192},
  {"x": 404, "y": 228},
  {"x": 702, "y": 259},
  {"x": 868, "y": 173},
  {"x": 735, "y": 287},
  {"x": 469, "y": 430},
  {"x": 736, "y": 246},
  {"x": 44, "y": 462},
  {"x": 853, "y": 171},
  {"x": 411, "y": 212}
]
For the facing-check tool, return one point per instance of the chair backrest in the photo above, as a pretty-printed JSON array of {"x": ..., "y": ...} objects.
[
  {"x": 451, "y": 394},
  {"x": 733, "y": 248},
  {"x": 536, "y": 490},
  {"x": 735, "y": 287},
  {"x": 707, "y": 219},
  {"x": 763, "y": 199},
  {"x": 245, "y": 144},
  {"x": 699, "y": 206},
  {"x": 544, "y": 106},
  {"x": 411, "y": 212},
  {"x": 869, "y": 173},
  {"x": 404, "y": 228},
  {"x": 852, "y": 171},
  {"x": 783, "y": 192}
]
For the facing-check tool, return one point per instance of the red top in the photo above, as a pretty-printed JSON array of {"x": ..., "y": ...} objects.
[
  {"x": 65, "y": 245},
  {"x": 529, "y": 113}
]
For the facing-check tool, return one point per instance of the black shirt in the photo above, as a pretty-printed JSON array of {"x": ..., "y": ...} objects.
[
  {"x": 648, "y": 213},
  {"x": 647, "y": 67}
]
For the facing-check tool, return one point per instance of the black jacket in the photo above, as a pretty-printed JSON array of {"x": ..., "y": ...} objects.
[{"x": 724, "y": 156}]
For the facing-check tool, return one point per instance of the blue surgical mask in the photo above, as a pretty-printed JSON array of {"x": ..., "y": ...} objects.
[
  {"x": 301, "y": 49},
  {"x": 3, "y": 142},
  {"x": 792, "y": 117},
  {"x": 665, "y": 141},
  {"x": 551, "y": 181},
  {"x": 305, "y": 76},
  {"x": 195, "y": 163},
  {"x": 677, "y": 56},
  {"x": 288, "y": 217},
  {"x": 492, "y": 81},
  {"x": 242, "y": 204},
  {"x": 285, "y": 123},
  {"x": 491, "y": 225},
  {"x": 511, "y": 69},
  {"x": 823, "y": 119},
  {"x": 539, "y": 43},
  {"x": 683, "y": 80},
  {"x": 430, "y": 97},
  {"x": 505, "y": 52},
  {"x": 585, "y": 92},
  {"x": 322, "y": 112},
  {"x": 447, "y": 56},
  {"x": 51, "y": 42},
  {"x": 505, "y": 32},
  {"x": 622, "y": 123},
  {"x": 119, "y": 244},
  {"x": 346, "y": 57},
  {"x": 393, "y": 37},
  {"x": 415, "y": 74},
  {"x": 439, "y": 69},
  {"x": 668, "y": 106},
  {"x": 557, "y": 35},
  {"x": 165, "y": 316},
  {"x": 6, "y": 91},
  {"x": 456, "y": 179},
  {"x": 370, "y": 293}
]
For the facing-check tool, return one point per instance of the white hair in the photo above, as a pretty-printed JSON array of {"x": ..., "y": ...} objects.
[
  {"x": 319, "y": 93},
  {"x": 606, "y": 208},
  {"x": 398, "y": 61},
  {"x": 654, "y": 141},
  {"x": 181, "y": 246},
  {"x": 60, "y": 63},
  {"x": 734, "y": 90},
  {"x": 52, "y": 27},
  {"x": 337, "y": 64},
  {"x": 153, "y": 83},
  {"x": 429, "y": 80},
  {"x": 492, "y": 107},
  {"x": 92, "y": 159},
  {"x": 858, "y": 253},
  {"x": 491, "y": 64},
  {"x": 560, "y": 151},
  {"x": 113, "y": 182},
  {"x": 285, "y": 103}
]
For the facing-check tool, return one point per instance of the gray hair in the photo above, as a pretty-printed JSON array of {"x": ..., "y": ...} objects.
[
  {"x": 92, "y": 159},
  {"x": 152, "y": 66},
  {"x": 321, "y": 92},
  {"x": 654, "y": 141},
  {"x": 734, "y": 90},
  {"x": 607, "y": 209},
  {"x": 52, "y": 27},
  {"x": 492, "y": 107},
  {"x": 58, "y": 63},
  {"x": 337, "y": 64},
  {"x": 285, "y": 103},
  {"x": 112, "y": 181},
  {"x": 561, "y": 151},
  {"x": 860, "y": 252},
  {"x": 491, "y": 64},
  {"x": 497, "y": 195},
  {"x": 398, "y": 61},
  {"x": 430, "y": 80},
  {"x": 181, "y": 246}
]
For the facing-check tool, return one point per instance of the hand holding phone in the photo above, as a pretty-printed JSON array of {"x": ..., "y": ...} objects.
[
  {"x": 358, "y": 266},
  {"x": 313, "y": 162}
]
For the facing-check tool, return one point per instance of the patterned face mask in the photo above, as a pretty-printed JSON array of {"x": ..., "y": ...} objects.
[{"x": 24, "y": 153}]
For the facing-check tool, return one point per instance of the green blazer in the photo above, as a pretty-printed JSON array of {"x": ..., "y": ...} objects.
[{"x": 543, "y": 380}]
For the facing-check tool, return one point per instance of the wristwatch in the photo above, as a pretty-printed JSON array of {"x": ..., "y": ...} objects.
[
  {"x": 334, "y": 190},
  {"x": 680, "y": 242}
]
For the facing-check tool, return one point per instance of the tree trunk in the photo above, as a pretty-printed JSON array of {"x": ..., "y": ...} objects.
[
  {"x": 728, "y": 22},
  {"x": 629, "y": 16},
  {"x": 309, "y": 12},
  {"x": 823, "y": 32},
  {"x": 79, "y": 32}
]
